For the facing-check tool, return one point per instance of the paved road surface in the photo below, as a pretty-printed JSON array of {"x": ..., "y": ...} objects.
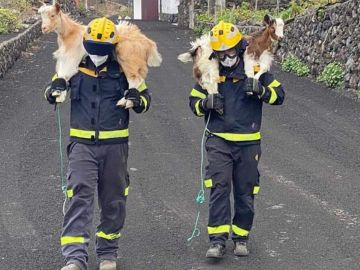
[{"x": 307, "y": 212}]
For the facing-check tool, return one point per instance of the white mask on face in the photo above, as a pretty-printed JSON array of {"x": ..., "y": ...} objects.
[
  {"x": 228, "y": 62},
  {"x": 98, "y": 59}
]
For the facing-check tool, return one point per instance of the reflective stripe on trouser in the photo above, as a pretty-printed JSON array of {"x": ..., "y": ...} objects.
[
  {"x": 231, "y": 164},
  {"x": 91, "y": 167}
]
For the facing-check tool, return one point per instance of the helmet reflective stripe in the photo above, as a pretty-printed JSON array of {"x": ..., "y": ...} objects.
[{"x": 224, "y": 36}]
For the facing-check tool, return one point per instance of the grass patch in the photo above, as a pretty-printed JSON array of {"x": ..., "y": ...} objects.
[
  {"x": 293, "y": 64},
  {"x": 332, "y": 75},
  {"x": 10, "y": 21}
]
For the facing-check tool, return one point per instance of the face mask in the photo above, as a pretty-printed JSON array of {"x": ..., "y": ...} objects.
[
  {"x": 98, "y": 59},
  {"x": 229, "y": 62}
]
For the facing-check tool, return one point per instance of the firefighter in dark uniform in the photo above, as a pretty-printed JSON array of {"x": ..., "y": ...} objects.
[
  {"x": 233, "y": 140},
  {"x": 98, "y": 151}
]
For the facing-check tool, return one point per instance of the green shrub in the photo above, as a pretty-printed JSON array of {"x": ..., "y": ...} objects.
[
  {"x": 19, "y": 5},
  {"x": 358, "y": 94},
  {"x": 332, "y": 75},
  {"x": 9, "y": 20},
  {"x": 241, "y": 14},
  {"x": 293, "y": 64}
]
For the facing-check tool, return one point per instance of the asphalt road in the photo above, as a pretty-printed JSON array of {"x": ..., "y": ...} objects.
[{"x": 307, "y": 211}]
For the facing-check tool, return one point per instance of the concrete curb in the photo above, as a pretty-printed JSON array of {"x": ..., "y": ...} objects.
[{"x": 10, "y": 50}]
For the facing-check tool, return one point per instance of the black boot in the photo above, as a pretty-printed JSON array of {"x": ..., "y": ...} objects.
[
  {"x": 215, "y": 251},
  {"x": 241, "y": 249}
]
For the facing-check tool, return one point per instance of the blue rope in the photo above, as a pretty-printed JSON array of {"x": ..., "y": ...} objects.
[
  {"x": 63, "y": 184},
  {"x": 200, "y": 198}
]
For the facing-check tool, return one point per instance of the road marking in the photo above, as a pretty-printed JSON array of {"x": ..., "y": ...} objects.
[{"x": 340, "y": 214}]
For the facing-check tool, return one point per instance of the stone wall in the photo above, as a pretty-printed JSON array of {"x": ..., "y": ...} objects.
[
  {"x": 11, "y": 50},
  {"x": 327, "y": 35}
]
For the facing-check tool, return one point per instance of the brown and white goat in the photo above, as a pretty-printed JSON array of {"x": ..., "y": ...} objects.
[
  {"x": 135, "y": 52},
  {"x": 258, "y": 53},
  {"x": 205, "y": 68}
]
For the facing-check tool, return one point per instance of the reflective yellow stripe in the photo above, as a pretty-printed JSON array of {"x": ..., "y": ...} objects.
[
  {"x": 196, "y": 93},
  {"x": 144, "y": 102},
  {"x": 219, "y": 229},
  {"x": 122, "y": 133},
  {"x": 126, "y": 192},
  {"x": 142, "y": 87},
  {"x": 197, "y": 108},
  {"x": 86, "y": 134},
  {"x": 275, "y": 83},
  {"x": 208, "y": 183},
  {"x": 110, "y": 236},
  {"x": 222, "y": 78},
  {"x": 54, "y": 77},
  {"x": 235, "y": 137},
  {"x": 90, "y": 72},
  {"x": 256, "y": 190},
  {"x": 273, "y": 96},
  {"x": 239, "y": 231},
  {"x": 70, "y": 193},
  {"x": 66, "y": 240}
]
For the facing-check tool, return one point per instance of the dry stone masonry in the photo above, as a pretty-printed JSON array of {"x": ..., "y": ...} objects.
[
  {"x": 10, "y": 50},
  {"x": 331, "y": 34}
]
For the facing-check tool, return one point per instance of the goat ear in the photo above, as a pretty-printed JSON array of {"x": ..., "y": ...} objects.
[
  {"x": 57, "y": 7},
  {"x": 268, "y": 19},
  {"x": 185, "y": 57}
]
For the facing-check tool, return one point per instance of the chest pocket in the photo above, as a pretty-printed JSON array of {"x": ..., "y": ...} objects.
[
  {"x": 114, "y": 82},
  {"x": 75, "y": 86}
]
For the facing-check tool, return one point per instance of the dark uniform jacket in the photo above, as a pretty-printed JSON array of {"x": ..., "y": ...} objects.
[
  {"x": 241, "y": 121},
  {"x": 95, "y": 118}
]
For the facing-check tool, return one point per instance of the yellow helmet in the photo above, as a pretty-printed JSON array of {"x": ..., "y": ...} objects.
[
  {"x": 224, "y": 36},
  {"x": 100, "y": 36}
]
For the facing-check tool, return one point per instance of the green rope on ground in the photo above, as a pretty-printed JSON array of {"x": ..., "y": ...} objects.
[
  {"x": 196, "y": 231},
  {"x": 61, "y": 158},
  {"x": 200, "y": 198}
]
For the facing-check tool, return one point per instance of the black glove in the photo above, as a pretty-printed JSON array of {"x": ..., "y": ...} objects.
[
  {"x": 53, "y": 90},
  {"x": 133, "y": 95},
  {"x": 213, "y": 102},
  {"x": 254, "y": 88}
]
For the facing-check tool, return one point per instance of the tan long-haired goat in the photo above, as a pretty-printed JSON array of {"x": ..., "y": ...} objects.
[{"x": 135, "y": 52}]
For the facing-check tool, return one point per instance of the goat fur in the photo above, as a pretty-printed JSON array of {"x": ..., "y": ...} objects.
[
  {"x": 205, "y": 70},
  {"x": 258, "y": 52},
  {"x": 135, "y": 52}
]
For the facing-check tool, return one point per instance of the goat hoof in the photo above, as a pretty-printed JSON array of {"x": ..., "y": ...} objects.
[
  {"x": 129, "y": 104},
  {"x": 122, "y": 102}
]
